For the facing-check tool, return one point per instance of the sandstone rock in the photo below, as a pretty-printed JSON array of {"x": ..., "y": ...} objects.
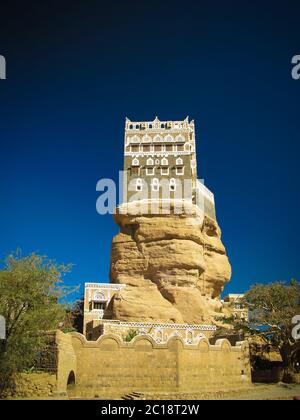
[{"x": 175, "y": 267}]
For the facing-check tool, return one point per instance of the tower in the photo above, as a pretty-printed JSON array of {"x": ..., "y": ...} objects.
[{"x": 160, "y": 163}]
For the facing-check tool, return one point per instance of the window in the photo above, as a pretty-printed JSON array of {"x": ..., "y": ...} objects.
[
  {"x": 172, "y": 184},
  {"x": 157, "y": 148},
  {"x": 169, "y": 147},
  {"x": 135, "y": 162},
  {"x": 180, "y": 138},
  {"x": 155, "y": 184},
  {"x": 147, "y": 138},
  {"x": 165, "y": 171},
  {"x": 179, "y": 161},
  {"x": 135, "y": 139},
  {"x": 164, "y": 162},
  {"x": 99, "y": 296},
  {"x": 135, "y": 149},
  {"x": 169, "y": 138},
  {"x": 139, "y": 184},
  {"x": 157, "y": 138},
  {"x": 146, "y": 148},
  {"x": 187, "y": 147},
  {"x": 150, "y": 162},
  {"x": 149, "y": 171},
  {"x": 180, "y": 170},
  {"x": 99, "y": 305},
  {"x": 135, "y": 170},
  {"x": 180, "y": 147}
]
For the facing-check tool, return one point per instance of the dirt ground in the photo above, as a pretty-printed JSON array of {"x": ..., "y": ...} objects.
[{"x": 278, "y": 391}]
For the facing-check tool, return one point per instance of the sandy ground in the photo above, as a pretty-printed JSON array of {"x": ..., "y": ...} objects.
[{"x": 278, "y": 391}]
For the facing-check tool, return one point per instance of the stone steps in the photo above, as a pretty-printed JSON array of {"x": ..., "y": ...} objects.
[{"x": 132, "y": 396}]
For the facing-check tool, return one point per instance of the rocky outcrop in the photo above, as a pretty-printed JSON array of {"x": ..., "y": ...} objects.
[{"x": 174, "y": 267}]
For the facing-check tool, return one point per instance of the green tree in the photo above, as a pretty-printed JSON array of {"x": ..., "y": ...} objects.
[
  {"x": 30, "y": 289},
  {"x": 272, "y": 307}
]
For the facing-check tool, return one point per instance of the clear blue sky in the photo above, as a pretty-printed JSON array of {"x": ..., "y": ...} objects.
[{"x": 76, "y": 69}]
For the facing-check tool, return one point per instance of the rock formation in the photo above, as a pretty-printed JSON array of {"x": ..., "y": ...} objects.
[{"x": 174, "y": 267}]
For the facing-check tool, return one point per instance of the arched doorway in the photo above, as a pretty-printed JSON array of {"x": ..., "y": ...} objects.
[{"x": 71, "y": 384}]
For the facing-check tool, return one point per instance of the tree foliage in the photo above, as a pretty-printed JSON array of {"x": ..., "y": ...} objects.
[
  {"x": 30, "y": 289},
  {"x": 272, "y": 308}
]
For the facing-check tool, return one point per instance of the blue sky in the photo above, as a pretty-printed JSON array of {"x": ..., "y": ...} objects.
[{"x": 76, "y": 69}]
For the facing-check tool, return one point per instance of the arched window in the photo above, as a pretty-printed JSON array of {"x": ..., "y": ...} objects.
[
  {"x": 135, "y": 162},
  {"x": 135, "y": 139},
  {"x": 157, "y": 138},
  {"x": 150, "y": 162},
  {"x": 139, "y": 184},
  {"x": 164, "y": 162},
  {"x": 187, "y": 147},
  {"x": 146, "y": 138},
  {"x": 99, "y": 296},
  {"x": 172, "y": 184},
  {"x": 180, "y": 138},
  {"x": 169, "y": 138},
  {"x": 155, "y": 184},
  {"x": 179, "y": 161}
]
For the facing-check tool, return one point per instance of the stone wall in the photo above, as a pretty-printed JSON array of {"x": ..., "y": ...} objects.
[
  {"x": 142, "y": 365},
  {"x": 66, "y": 361},
  {"x": 160, "y": 332}
]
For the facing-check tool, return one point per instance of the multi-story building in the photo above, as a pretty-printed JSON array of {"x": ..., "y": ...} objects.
[
  {"x": 234, "y": 302},
  {"x": 160, "y": 163}
]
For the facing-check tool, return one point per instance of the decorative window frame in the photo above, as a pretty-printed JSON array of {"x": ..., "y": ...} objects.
[
  {"x": 158, "y": 138},
  {"x": 135, "y": 162},
  {"x": 180, "y": 171},
  {"x": 169, "y": 138},
  {"x": 164, "y": 162},
  {"x": 135, "y": 139},
  {"x": 155, "y": 184},
  {"x": 179, "y": 161},
  {"x": 180, "y": 138},
  {"x": 150, "y": 171},
  {"x": 165, "y": 171},
  {"x": 146, "y": 139},
  {"x": 187, "y": 147},
  {"x": 150, "y": 162},
  {"x": 139, "y": 184},
  {"x": 172, "y": 184}
]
